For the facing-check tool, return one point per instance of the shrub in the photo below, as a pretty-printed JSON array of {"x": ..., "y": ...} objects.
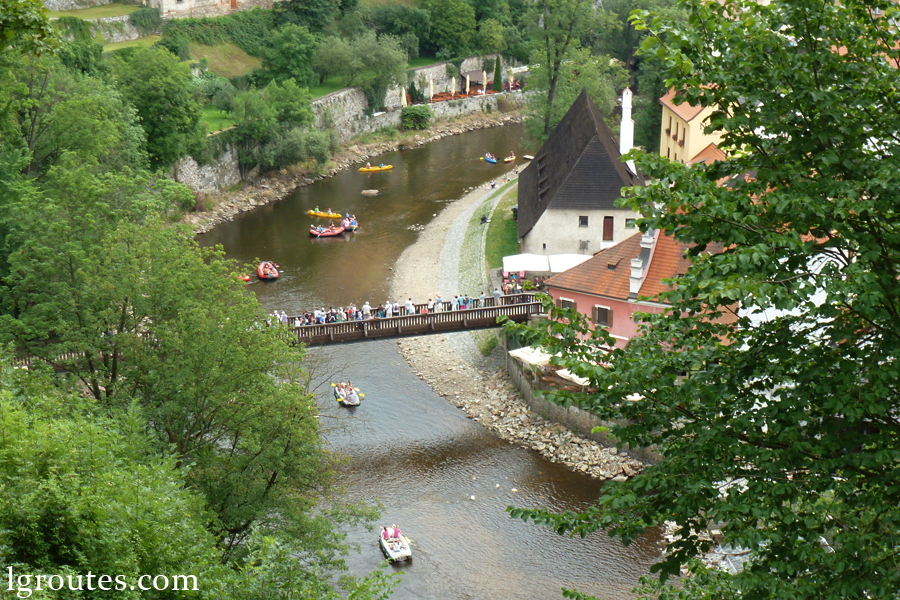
[
  {"x": 146, "y": 20},
  {"x": 416, "y": 117}
]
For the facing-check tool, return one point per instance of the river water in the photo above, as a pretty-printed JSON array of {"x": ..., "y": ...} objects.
[{"x": 409, "y": 448}]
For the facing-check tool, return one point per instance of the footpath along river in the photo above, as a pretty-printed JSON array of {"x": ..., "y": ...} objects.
[{"x": 410, "y": 448}]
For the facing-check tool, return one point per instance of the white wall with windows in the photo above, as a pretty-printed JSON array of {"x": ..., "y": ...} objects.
[{"x": 574, "y": 231}]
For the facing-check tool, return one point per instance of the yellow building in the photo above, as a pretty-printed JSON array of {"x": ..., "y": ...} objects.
[{"x": 681, "y": 136}]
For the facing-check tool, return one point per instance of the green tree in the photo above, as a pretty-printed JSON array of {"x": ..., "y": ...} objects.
[
  {"x": 58, "y": 113},
  {"x": 24, "y": 26},
  {"x": 314, "y": 15},
  {"x": 160, "y": 88},
  {"x": 498, "y": 75},
  {"x": 290, "y": 55},
  {"x": 778, "y": 423},
  {"x": 81, "y": 493},
  {"x": 490, "y": 36},
  {"x": 601, "y": 76},
  {"x": 82, "y": 57},
  {"x": 554, "y": 27},
  {"x": 334, "y": 57},
  {"x": 452, "y": 26},
  {"x": 400, "y": 19},
  {"x": 381, "y": 63}
]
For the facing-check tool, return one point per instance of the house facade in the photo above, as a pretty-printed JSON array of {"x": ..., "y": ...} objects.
[
  {"x": 620, "y": 281},
  {"x": 568, "y": 194},
  {"x": 681, "y": 130}
]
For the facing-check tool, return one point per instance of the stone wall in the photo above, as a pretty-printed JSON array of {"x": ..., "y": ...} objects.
[
  {"x": 345, "y": 110},
  {"x": 573, "y": 417},
  {"x": 208, "y": 179},
  {"x": 73, "y": 4},
  {"x": 177, "y": 9}
]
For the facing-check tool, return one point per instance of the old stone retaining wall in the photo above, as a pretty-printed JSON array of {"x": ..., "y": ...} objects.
[
  {"x": 345, "y": 110},
  {"x": 73, "y": 4},
  {"x": 573, "y": 417},
  {"x": 350, "y": 124},
  {"x": 208, "y": 179}
]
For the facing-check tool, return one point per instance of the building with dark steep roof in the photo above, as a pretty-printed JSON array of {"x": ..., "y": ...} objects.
[{"x": 568, "y": 194}]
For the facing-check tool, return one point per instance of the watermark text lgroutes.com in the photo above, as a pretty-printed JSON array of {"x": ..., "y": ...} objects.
[{"x": 25, "y": 585}]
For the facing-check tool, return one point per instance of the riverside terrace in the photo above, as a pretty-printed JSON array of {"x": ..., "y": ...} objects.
[{"x": 516, "y": 307}]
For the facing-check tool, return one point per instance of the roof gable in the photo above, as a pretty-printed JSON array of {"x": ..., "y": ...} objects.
[
  {"x": 579, "y": 166},
  {"x": 595, "y": 277},
  {"x": 683, "y": 110}
]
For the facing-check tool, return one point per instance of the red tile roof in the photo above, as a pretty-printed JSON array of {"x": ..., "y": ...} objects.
[
  {"x": 594, "y": 275},
  {"x": 708, "y": 155},
  {"x": 684, "y": 110}
]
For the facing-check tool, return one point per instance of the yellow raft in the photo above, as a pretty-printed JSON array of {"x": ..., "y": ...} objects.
[
  {"x": 324, "y": 215},
  {"x": 375, "y": 169}
]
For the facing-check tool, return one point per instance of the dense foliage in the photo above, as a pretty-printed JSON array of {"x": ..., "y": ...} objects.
[
  {"x": 416, "y": 117},
  {"x": 778, "y": 422}
]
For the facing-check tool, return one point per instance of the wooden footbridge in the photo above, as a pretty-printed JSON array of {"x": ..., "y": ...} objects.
[{"x": 515, "y": 307}]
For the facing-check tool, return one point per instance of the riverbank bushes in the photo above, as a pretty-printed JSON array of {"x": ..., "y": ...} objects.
[{"x": 416, "y": 117}]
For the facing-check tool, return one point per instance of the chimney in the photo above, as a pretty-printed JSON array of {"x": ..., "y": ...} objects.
[
  {"x": 637, "y": 276},
  {"x": 639, "y": 265},
  {"x": 626, "y": 131}
]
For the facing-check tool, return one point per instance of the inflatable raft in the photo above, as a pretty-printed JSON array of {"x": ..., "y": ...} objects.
[
  {"x": 267, "y": 270},
  {"x": 326, "y": 232}
]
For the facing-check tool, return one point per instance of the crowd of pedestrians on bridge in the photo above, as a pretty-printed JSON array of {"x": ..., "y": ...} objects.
[{"x": 321, "y": 316}]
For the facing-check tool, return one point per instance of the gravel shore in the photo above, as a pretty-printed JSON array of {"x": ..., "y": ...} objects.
[{"x": 449, "y": 257}]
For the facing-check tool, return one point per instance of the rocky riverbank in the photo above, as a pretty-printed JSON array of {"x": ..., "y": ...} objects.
[
  {"x": 274, "y": 186},
  {"x": 489, "y": 397}
]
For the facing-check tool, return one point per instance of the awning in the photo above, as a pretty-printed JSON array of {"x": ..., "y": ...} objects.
[
  {"x": 526, "y": 262},
  {"x": 567, "y": 374},
  {"x": 473, "y": 76},
  {"x": 531, "y": 356},
  {"x": 564, "y": 262}
]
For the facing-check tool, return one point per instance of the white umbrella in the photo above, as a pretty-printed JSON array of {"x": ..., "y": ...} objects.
[
  {"x": 483, "y": 82},
  {"x": 531, "y": 356},
  {"x": 467, "y": 86},
  {"x": 452, "y": 85},
  {"x": 430, "y": 88},
  {"x": 402, "y": 97},
  {"x": 526, "y": 262},
  {"x": 567, "y": 374}
]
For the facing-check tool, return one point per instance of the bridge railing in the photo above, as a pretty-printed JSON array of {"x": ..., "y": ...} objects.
[
  {"x": 447, "y": 305},
  {"x": 517, "y": 307}
]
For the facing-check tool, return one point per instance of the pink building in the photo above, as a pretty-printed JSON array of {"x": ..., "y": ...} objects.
[{"x": 620, "y": 281}]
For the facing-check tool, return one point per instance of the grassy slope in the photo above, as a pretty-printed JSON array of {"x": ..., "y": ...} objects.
[
  {"x": 502, "y": 237},
  {"x": 214, "y": 119},
  {"x": 96, "y": 12},
  {"x": 141, "y": 42},
  {"x": 332, "y": 84},
  {"x": 225, "y": 59}
]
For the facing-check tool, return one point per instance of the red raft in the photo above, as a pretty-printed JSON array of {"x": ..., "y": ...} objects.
[
  {"x": 326, "y": 232},
  {"x": 267, "y": 270}
]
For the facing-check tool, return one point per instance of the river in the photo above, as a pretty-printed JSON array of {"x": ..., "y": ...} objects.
[{"x": 409, "y": 448}]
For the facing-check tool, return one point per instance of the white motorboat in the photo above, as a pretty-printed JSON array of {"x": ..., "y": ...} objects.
[{"x": 395, "y": 549}]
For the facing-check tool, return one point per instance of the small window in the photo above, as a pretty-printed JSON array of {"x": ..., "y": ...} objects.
[
  {"x": 545, "y": 246},
  {"x": 676, "y": 157},
  {"x": 583, "y": 221},
  {"x": 669, "y": 153},
  {"x": 607, "y": 229},
  {"x": 603, "y": 316},
  {"x": 566, "y": 303},
  {"x": 630, "y": 223}
]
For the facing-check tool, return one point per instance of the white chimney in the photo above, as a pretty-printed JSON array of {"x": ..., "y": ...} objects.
[
  {"x": 637, "y": 276},
  {"x": 626, "y": 131}
]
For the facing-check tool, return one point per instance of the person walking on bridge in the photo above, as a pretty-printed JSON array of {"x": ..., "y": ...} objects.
[
  {"x": 454, "y": 304},
  {"x": 410, "y": 307}
]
